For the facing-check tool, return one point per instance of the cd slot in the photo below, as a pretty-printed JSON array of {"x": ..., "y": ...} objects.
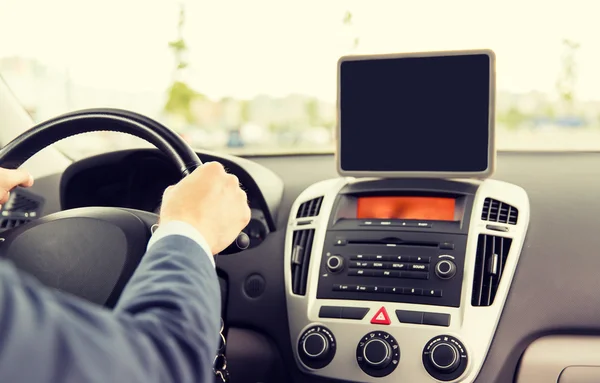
[{"x": 393, "y": 242}]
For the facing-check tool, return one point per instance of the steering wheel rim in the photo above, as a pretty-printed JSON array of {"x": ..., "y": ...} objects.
[
  {"x": 88, "y": 252},
  {"x": 30, "y": 142}
]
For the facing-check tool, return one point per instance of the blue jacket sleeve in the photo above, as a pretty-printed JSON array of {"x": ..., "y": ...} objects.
[{"x": 165, "y": 327}]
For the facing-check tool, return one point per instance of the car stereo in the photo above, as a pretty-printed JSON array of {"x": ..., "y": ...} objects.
[{"x": 396, "y": 246}]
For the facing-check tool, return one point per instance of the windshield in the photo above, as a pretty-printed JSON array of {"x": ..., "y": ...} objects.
[{"x": 260, "y": 76}]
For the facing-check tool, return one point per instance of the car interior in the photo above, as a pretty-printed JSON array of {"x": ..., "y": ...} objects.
[{"x": 415, "y": 251}]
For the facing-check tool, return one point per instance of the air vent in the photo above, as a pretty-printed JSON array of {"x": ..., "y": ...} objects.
[
  {"x": 492, "y": 252},
  {"x": 310, "y": 208},
  {"x": 496, "y": 211},
  {"x": 301, "y": 249},
  {"x": 21, "y": 207}
]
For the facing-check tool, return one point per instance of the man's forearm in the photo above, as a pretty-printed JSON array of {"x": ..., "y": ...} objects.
[{"x": 164, "y": 328}]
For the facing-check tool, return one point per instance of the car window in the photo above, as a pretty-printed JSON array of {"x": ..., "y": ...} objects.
[{"x": 260, "y": 76}]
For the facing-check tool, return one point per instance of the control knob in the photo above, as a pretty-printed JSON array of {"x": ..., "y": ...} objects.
[
  {"x": 316, "y": 347},
  {"x": 445, "y": 269},
  {"x": 445, "y": 358},
  {"x": 378, "y": 354},
  {"x": 335, "y": 263}
]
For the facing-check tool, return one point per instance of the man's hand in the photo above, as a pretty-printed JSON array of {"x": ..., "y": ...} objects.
[
  {"x": 10, "y": 179},
  {"x": 210, "y": 200}
]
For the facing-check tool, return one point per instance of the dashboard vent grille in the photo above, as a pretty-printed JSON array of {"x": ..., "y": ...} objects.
[
  {"x": 301, "y": 249},
  {"x": 310, "y": 208},
  {"x": 22, "y": 206},
  {"x": 492, "y": 252},
  {"x": 496, "y": 211}
]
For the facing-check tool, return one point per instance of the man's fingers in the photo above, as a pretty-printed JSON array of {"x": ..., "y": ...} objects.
[
  {"x": 10, "y": 179},
  {"x": 4, "y": 194}
]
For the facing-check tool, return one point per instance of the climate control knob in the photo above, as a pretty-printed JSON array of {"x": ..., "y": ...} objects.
[
  {"x": 378, "y": 354},
  {"x": 316, "y": 347},
  {"x": 445, "y": 358},
  {"x": 335, "y": 263},
  {"x": 445, "y": 269}
]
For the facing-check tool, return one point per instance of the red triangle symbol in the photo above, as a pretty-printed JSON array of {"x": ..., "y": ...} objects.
[{"x": 381, "y": 317}]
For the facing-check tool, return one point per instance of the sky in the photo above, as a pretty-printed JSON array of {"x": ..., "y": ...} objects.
[{"x": 244, "y": 48}]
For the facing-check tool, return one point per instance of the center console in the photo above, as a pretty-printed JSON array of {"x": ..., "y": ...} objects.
[
  {"x": 407, "y": 299},
  {"x": 398, "y": 271}
]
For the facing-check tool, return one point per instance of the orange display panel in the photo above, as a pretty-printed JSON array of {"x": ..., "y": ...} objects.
[{"x": 420, "y": 208}]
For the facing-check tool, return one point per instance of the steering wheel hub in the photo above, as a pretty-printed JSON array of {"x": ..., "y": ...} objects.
[{"x": 91, "y": 252}]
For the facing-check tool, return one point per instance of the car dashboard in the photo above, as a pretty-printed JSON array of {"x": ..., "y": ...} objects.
[
  {"x": 541, "y": 326},
  {"x": 367, "y": 300}
]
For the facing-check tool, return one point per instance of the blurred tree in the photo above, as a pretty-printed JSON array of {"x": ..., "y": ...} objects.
[
  {"x": 347, "y": 21},
  {"x": 245, "y": 111},
  {"x": 513, "y": 118},
  {"x": 567, "y": 79},
  {"x": 312, "y": 111},
  {"x": 549, "y": 111},
  {"x": 180, "y": 95}
]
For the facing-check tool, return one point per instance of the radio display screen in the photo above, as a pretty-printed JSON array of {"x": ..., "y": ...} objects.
[{"x": 402, "y": 207}]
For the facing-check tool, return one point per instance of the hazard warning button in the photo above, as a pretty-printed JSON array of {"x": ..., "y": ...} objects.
[{"x": 381, "y": 317}]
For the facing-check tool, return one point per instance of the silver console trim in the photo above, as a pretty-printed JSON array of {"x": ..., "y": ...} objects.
[{"x": 474, "y": 326}]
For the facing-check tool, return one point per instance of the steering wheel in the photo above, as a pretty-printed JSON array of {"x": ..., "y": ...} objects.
[{"x": 89, "y": 252}]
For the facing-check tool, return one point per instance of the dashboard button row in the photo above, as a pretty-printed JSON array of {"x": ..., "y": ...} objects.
[
  {"x": 416, "y": 317},
  {"x": 388, "y": 290},
  {"x": 338, "y": 312},
  {"x": 388, "y": 274},
  {"x": 388, "y": 265},
  {"x": 391, "y": 258},
  {"x": 395, "y": 223}
]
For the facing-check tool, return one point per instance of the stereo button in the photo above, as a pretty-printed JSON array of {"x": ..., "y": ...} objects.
[
  {"x": 341, "y": 242},
  {"x": 432, "y": 293},
  {"x": 394, "y": 290},
  {"x": 419, "y": 259},
  {"x": 447, "y": 246},
  {"x": 411, "y": 291},
  {"x": 419, "y": 267},
  {"x": 343, "y": 287},
  {"x": 414, "y": 275},
  {"x": 398, "y": 266},
  {"x": 360, "y": 273}
]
